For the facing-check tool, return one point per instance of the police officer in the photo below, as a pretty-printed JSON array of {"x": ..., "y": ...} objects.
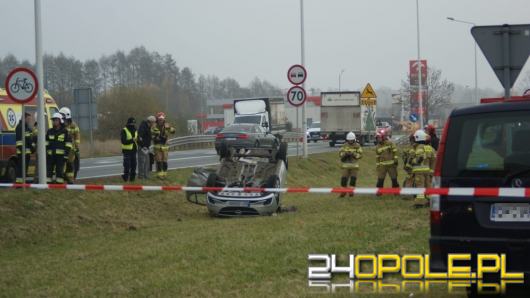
[
  {"x": 422, "y": 162},
  {"x": 129, "y": 147},
  {"x": 386, "y": 160},
  {"x": 58, "y": 146},
  {"x": 350, "y": 153},
  {"x": 161, "y": 133},
  {"x": 27, "y": 137},
  {"x": 72, "y": 164}
]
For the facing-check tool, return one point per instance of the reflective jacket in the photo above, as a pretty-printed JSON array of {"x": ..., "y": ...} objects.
[
  {"x": 407, "y": 154},
  {"x": 58, "y": 142},
  {"x": 350, "y": 155},
  {"x": 28, "y": 138},
  {"x": 73, "y": 131},
  {"x": 386, "y": 153},
  {"x": 160, "y": 135},
  {"x": 423, "y": 160},
  {"x": 129, "y": 137}
]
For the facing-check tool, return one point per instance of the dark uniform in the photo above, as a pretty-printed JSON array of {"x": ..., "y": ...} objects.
[
  {"x": 129, "y": 147},
  {"x": 28, "y": 138},
  {"x": 58, "y": 146}
]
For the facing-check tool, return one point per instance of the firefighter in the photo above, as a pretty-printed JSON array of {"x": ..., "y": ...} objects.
[
  {"x": 58, "y": 146},
  {"x": 350, "y": 153},
  {"x": 408, "y": 152},
  {"x": 160, "y": 133},
  {"x": 72, "y": 164},
  {"x": 28, "y": 139},
  {"x": 129, "y": 147},
  {"x": 422, "y": 162},
  {"x": 386, "y": 160}
]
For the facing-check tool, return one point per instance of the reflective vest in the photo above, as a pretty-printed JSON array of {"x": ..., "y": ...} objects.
[
  {"x": 423, "y": 160},
  {"x": 386, "y": 152},
  {"x": 129, "y": 137},
  {"x": 73, "y": 131},
  {"x": 350, "y": 155},
  {"x": 58, "y": 141},
  {"x": 28, "y": 138}
]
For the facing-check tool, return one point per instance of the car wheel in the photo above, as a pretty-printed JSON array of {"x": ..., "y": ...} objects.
[
  {"x": 282, "y": 154},
  {"x": 212, "y": 180},
  {"x": 11, "y": 174},
  {"x": 331, "y": 144},
  {"x": 223, "y": 151}
]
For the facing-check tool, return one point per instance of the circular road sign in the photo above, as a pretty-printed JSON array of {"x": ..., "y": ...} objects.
[
  {"x": 413, "y": 118},
  {"x": 21, "y": 85},
  {"x": 296, "y": 96},
  {"x": 296, "y": 74}
]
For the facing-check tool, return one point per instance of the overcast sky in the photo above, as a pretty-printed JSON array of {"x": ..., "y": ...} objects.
[{"x": 371, "y": 39}]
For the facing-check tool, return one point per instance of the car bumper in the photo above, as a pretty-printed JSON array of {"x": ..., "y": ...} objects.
[
  {"x": 241, "y": 205},
  {"x": 516, "y": 250}
]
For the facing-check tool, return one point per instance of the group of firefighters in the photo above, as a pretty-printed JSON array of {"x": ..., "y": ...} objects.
[
  {"x": 143, "y": 146},
  {"x": 62, "y": 147},
  {"x": 418, "y": 161}
]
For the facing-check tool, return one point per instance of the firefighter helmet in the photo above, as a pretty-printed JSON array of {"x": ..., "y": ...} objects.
[
  {"x": 66, "y": 112},
  {"x": 350, "y": 136},
  {"x": 160, "y": 115},
  {"x": 420, "y": 135}
]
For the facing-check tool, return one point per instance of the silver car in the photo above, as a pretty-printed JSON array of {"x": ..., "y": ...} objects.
[{"x": 256, "y": 168}]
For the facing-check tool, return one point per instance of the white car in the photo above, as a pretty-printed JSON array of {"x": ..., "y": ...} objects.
[{"x": 313, "y": 133}]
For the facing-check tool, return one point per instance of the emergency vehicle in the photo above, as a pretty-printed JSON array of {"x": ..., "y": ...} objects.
[{"x": 10, "y": 115}]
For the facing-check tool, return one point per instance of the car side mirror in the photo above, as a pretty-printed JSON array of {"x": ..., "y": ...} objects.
[{"x": 265, "y": 124}]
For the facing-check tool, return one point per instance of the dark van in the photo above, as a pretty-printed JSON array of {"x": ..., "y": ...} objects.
[{"x": 484, "y": 146}]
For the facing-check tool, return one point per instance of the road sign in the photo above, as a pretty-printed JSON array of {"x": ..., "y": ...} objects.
[
  {"x": 413, "y": 118},
  {"x": 368, "y": 92},
  {"x": 296, "y": 74},
  {"x": 21, "y": 85},
  {"x": 506, "y": 48},
  {"x": 296, "y": 96}
]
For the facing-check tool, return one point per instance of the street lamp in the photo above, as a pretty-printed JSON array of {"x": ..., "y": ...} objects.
[
  {"x": 340, "y": 76},
  {"x": 420, "y": 92},
  {"x": 476, "y": 76}
]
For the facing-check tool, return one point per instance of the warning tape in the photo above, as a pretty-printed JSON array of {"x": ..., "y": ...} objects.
[{"x": 452, "y": 191}]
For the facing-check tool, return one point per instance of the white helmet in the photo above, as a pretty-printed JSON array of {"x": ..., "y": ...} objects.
[
  {"x": 66, "y": 112},
  {"x": 350, "y": 136},
  {"x": 420, "y": 135},
  {"x": 58, "y": 116}
]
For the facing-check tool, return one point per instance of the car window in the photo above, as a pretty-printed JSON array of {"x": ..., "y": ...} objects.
[
  {"x": 254, "y": 119},
  {"x": 239, "y": 128},
  {"x": 497, "y": 143}
]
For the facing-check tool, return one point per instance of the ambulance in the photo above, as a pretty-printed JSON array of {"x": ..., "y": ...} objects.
[{"x": 10, "y": 115}]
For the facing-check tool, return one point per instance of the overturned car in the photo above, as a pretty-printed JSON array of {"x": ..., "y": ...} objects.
[{"x": 250, "y": 168}]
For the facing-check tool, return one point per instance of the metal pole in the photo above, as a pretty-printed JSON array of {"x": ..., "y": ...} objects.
[
  {"x": 41, "y": 125},
  {"x": 477, "y": 101},
  {"x": 302, "y": 44},
  {"x": 420, "y": 95},
  {"x": 297, "y": 129},
  {"x": 23, "y": 119},
  {"x": 506, "y": 59}
]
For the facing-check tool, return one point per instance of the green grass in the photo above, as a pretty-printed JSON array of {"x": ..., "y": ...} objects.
[{"x": 64, "y": 243}]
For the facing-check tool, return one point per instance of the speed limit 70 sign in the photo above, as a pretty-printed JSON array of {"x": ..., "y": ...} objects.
[{"x": 296, "y": 96}]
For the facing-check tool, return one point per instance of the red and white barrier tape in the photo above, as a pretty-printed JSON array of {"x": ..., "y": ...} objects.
[{"x": 453, "y": 191}]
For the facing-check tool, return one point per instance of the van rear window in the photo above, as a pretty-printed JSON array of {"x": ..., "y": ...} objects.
[{"x": 492, "y": 144}]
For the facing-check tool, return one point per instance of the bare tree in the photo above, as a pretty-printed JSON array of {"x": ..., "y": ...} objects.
[{"x": 438, "y": 95}]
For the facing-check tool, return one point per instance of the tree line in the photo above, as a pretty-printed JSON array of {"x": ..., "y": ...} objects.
[{"x": 139, "y": 81}]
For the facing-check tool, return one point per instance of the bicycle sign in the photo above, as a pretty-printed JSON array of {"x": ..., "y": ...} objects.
[
  {"x": 296, "y": 96},
  {"x": 21, "y": 85}
]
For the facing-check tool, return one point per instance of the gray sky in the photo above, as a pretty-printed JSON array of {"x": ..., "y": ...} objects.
[{"x": 373, "y": 40}]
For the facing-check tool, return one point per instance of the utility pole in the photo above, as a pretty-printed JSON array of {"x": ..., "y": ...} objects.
[
  {"x": 302, "y": 46},
  {"x": 41, "y": 138},
  {"x": 420, "y": 94}
]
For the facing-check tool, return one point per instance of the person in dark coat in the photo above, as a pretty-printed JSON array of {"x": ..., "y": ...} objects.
[{"x": 144, "y": 142}]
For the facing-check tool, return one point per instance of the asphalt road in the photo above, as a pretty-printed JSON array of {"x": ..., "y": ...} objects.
[{"x": 112, "y": 166}]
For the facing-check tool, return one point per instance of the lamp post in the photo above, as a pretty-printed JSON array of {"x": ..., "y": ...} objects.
[
  {"x": 420, "y": 91},
  {"x": 475, "y": 43},
  {"x": 340, "y": 76}
]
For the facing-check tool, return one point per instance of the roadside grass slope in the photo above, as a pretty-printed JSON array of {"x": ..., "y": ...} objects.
[{"x": 64, "y": 243}]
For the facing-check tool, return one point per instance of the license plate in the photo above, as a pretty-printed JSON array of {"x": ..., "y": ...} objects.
[
  {"x": 238, "y": 203},
  {"x": 510, "y": 212},
  {"x": 230, "y": 139}
]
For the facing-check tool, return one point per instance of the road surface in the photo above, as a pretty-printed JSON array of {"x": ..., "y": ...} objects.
[{"x": 112, "y": 166}]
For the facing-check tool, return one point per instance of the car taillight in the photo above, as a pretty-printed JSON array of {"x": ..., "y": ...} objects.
[
  {"x": 242, "y": 136},
  {"x": 219, "y": 136},
  {"x": 436, "y": 213}
]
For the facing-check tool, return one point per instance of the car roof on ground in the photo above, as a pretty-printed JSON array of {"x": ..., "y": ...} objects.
[{"x": 493, "y": 107}]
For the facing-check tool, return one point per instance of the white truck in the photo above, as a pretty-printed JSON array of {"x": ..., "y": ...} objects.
[
  {"x": 268, "y": 112},
  {"x": 342, "y": 112}
]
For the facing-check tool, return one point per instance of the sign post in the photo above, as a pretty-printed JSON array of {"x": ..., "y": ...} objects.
[
  {"x": 296, "y": 96},
  {"x": 21, "y": 85},
  {"x": 368, "y": 109}
]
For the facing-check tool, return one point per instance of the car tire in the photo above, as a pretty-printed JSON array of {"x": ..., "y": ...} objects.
[
  {"x": 223, "y": 151},
  {"x": 282, "y": 154},
  {"x": 331, "y": 144},
  {"x": 10, "y": 175},
  {"x": 212, "y": 180}
]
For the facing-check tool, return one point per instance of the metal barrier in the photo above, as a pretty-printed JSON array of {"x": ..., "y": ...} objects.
[{"x": 205, "y": 139}]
